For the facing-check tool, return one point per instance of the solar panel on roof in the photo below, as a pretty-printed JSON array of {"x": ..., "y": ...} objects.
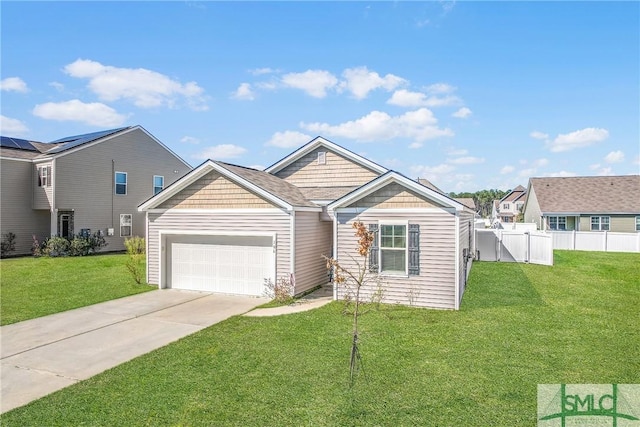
[
  {"x": 17, "y": 143},
  {"x": 74, "y": 141}
]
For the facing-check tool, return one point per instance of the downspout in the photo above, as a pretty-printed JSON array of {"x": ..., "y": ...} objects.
[
  {"x": 113, "y": 179},
  {"x": 292, "y": 250},
  {"x": 457, "y": 261},
  {"x": 335, "y": 251}
]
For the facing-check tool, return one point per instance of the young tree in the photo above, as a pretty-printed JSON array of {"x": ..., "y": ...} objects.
[{"x": 354, "y": 278}]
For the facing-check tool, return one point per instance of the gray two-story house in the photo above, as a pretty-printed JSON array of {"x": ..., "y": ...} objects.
[{"x": 82, "y": 184}]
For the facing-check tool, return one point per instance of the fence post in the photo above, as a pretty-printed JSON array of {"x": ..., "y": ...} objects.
[
  {"x": 573, "y": 241},
  {"x": 527, "y": 255},
  {"x": 605, "y": 240}
]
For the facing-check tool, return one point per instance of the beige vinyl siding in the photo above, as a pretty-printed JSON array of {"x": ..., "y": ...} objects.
[
  {"x": 212, "y": 223},
  {"x": 394, "y": 195},
  {"x": 214, "y": 191},
  {"x": 84, "y": 182},
  {"x": 337, "y": 171},
  {"x": 43, "y": 196},
  {"x": 532, "y": 212},
  {"x": 435, "y": 286},
  {"x": 617, "y": 223},
  {"x": 313, "y": 238},
  {"x": 16, "y": 213}
]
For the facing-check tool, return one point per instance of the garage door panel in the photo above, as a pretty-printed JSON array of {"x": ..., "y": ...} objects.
[{"x": 225, "y": 264}]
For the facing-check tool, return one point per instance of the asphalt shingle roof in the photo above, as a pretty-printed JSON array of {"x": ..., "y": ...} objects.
[
  {"x": 270, "y": 183},
  {"x": 588, "y": 194}
]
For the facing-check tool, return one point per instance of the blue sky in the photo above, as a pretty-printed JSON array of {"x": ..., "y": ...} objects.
[{"x": 470, "y": 95}]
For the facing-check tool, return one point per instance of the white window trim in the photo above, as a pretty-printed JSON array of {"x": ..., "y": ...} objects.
[
  {"x": 600, "y": 222},
  {"x": 130, "y": 225},
  {"x": 126, "y": 183},
  {"x": 557, "y": 218},
  {"x": 382, "y": 223},
  {"x": 322, "y": 157},
  {"x": 154, "y": 183},
  {"x": 638, "y": 223}
]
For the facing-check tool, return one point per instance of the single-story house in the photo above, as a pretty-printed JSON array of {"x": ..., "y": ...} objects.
[
  {"x": 227, "y": 228},
  {"x": 584, "y": 203}
]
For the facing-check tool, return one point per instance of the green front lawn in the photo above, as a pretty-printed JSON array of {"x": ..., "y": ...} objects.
[
  {"x": 519, "y": 326},
  {"x": 35, "y": 287}
]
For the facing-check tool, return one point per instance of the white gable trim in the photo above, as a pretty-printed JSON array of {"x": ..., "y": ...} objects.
[
  {"x": 198, "y": 173},
  {"x": 389, "y": 178},
  {"x": 318, "y": 142}
]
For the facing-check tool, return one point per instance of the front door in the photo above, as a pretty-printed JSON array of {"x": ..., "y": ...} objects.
[{"x": 65, "y": 224}]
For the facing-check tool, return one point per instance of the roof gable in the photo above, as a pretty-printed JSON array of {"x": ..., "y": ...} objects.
[
  {"x": 395, "y": 177},
  {"x": 321, "y": 142},
  {"x": 588, "y": 194},
  {"x": 271, "y": 188}
]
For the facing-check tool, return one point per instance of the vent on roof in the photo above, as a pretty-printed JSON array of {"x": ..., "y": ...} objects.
[{"x": 322, "y": 157}]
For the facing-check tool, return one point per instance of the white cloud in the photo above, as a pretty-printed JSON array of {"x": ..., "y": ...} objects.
[
  {"x": 539, "y": 135},
  {"x": 527, "y": 173},
  {"x": 415, "y": 145},
  {"x": 594, "y": 166},
  {"x": 145, "y": 88},
  {"x": 468, "y": 160},
  {"x": 605, "y": 172},
  {"x": 406, "y": 98},
  {"x": 9, "y": 126},
  {"x": 95, "y": 113},
  {"x": 262, "y": 71},
  {"x": 360, "y": 81},
  {"x": 288, "y": 139},
  {"x": 314, "y": 82},
  {"x": 507, "y": 169},
  {"x": 614, "y": 157},
  {"x": 457, "y": 151},
  {"x": 540, "y": 162},
  {"x": 189, "y": 140},
  {"x": 578, "y": 139},
  {"x": 244, "y": 93},
  {"x": 432, "y": 173},
  {"x": 57, "y": 86},
  {"x": 636, "y": 161},
  {"x": 462, "y": 113},
  {"x": 13, "y": 84},
  {"x": 560, "y": 174},
  {"x": 222, "y": 151},
  {"x": 439, "y": 88},
  {"x": 418, "y": 125}
]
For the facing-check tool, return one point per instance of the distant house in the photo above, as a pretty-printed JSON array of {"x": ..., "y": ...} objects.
[
  {"x": 587, "y": 203},
  {"x": 82, "y": 184},
  {"x": 227, "y": 228},
  {"x": 510, "y": 206}
]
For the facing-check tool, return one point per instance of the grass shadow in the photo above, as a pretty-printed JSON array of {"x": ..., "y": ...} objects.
[{"x": 499, "y": 284}]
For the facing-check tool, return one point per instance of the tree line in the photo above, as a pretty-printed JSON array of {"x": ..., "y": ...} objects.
[{"x": 483, "y": 199}]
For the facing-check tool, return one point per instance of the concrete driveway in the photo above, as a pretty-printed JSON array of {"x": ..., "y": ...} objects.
[{"x": 44, "y": 355}]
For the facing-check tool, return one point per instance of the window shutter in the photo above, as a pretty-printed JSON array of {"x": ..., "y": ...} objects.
[
  {"x": 49, "y": 176},
  {"x": 374, "y": 252},
  {"x": 414, "y": 249},
  {"x": 39, "y": 173}
]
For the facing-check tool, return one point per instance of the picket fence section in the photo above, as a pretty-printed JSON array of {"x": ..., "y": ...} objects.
[
  {"x": 605, "y": 241},
  {"x": 514, "y": 246}
]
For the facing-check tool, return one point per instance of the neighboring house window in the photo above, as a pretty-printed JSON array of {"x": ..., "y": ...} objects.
[
  {"x": 125, "y": 225},
  {"x": 121, "y": 183},
  {"x": 557, "y": 222},
  {"x": 44, "y": 176},
  {"x": 600, "y": 223},
  {"x": 158, "y": 184},
  {"x": 638, "y": 223},
  {"x": 505, "y": 206},
  {"x": 322, "y": 157}
]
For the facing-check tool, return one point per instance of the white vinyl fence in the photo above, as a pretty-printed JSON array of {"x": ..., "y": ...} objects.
[
  {"x": 514, "y": 246},
  {"x": 596, "y": 241}
]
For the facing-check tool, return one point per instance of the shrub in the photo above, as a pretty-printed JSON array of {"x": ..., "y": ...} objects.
[
  {"x": 281, "y": 291},
  {"x": 83, "y": 245},
  {"x": 37, "y": 247},
  {"x": 8, "y": 244},
  {"x": 57, "y": 246},
  {"x": 136, "y": 250}
]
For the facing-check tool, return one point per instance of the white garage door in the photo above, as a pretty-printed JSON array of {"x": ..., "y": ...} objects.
[{"x": 227, "y": 264}]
